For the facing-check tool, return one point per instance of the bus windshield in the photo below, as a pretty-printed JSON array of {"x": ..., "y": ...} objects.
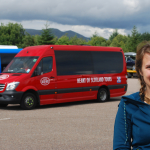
[{"x": 20, "y": 65}]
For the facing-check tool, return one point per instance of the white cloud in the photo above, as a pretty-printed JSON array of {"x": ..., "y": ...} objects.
[
  {"x": 86, "y": 31},
  {"x": 132, "y": 4}
]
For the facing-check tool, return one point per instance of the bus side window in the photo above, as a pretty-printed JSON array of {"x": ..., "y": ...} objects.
[
  {"x": 36, "y": 70},
  {"x": 47, "y": 64}
]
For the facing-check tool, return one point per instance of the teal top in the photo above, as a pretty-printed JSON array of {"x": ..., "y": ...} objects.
[{"x": 132, "y": 124}]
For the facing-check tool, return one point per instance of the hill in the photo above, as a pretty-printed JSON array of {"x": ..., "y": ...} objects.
[{"x": 57, "y": 33}]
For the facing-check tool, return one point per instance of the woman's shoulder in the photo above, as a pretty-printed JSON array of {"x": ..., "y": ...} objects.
[
  {"x": 131, "y": 103},
  {"x": 134, "y": 97}
]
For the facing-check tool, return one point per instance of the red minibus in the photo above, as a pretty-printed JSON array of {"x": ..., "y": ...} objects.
[{"x": 48, "y": 74}]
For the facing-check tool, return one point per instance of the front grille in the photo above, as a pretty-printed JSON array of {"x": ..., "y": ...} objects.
[{"x": 2, "y": 87}]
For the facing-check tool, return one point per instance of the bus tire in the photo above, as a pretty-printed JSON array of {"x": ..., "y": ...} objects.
[
  {"x": 28, "y": 101},
  {"x": 103, "y": 95}
]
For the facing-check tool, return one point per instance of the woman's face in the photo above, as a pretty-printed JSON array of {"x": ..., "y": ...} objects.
[{"x": 145, "y": 72}]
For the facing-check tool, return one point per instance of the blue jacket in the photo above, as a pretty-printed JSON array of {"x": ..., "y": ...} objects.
[{"x": 132, "y": 124}]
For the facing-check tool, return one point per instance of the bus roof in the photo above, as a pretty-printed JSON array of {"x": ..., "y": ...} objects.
[
  {"x": 10, "y": 50},
  {"x": 8, "y": 47},
  {"x": 43, "y": 49},
  {"x": 130, "y": 54}
]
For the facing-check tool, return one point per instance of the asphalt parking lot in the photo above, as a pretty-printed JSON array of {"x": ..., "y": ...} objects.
[{"x": 86, "y": 125}]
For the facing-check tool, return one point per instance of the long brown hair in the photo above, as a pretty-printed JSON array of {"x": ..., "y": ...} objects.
[{"x": 142, "y": 48}]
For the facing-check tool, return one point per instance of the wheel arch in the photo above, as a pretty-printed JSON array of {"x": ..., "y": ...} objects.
[
  {"x": 106, "y": 87},
  {"x": 33, "y": 92}
]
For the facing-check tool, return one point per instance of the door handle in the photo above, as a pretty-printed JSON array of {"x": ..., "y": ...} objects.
[{"x": 52, "y": 77}]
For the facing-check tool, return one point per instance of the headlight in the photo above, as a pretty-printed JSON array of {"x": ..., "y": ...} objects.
[
  {"x": 12, "y": 86},
  {"x": 133, "y": 68}
]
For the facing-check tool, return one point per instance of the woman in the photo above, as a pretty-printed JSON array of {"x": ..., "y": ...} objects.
[{"x": 132, "y": 124}]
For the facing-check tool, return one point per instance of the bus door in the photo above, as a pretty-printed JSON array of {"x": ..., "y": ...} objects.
[{"x": 46, "y": 82}]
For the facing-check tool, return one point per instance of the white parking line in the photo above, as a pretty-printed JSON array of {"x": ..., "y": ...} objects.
[{"x": 4, "y": 119}]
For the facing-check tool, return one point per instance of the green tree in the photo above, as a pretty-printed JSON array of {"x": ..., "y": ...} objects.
[
  {"x": 108, "y": 42},
  {"x": 145, "y": 37},
  {"x": 11, "y": 34},
  {"x": 133, "y": 40},
  {"x": 46, "y": 36},
  {"x": 28, "y": 40},
  {"x": 97, "y": 41},
  {"x": 64, "y": 40},
  {"x": 113, "y": 35},
  {"x": 76, "y": 41},
  {"x": 37, "y": 38},
  {"x": 120, "y": 41},
  {"x": 55, "y": 39}
]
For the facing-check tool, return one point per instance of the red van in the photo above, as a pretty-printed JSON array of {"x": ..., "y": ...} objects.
[{"x": 49, "y": 74}]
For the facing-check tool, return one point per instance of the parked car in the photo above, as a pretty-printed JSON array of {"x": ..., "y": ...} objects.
[{"x": 130, "y": 62}]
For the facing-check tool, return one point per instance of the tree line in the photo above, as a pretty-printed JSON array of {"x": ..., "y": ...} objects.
[{"x": 14, "y": 34}]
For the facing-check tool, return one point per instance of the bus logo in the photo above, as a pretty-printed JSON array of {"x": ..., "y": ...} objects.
[
  {"x": 3, "y": 77},
  {"x": 118, "y": 79},
  {"x": 45, "y": 81}
]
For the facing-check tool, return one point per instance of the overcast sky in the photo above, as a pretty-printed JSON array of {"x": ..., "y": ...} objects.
[{"x": 82, "y": 16}]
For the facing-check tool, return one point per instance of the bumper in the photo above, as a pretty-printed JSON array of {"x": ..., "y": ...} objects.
[
  {"x": 119, "y": 86},
  {"x": 131, "y": 71},
  {"x": 11, "y": 97}
]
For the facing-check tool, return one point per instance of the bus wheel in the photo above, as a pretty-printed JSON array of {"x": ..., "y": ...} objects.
[
  {"x": 103, "y": 95},
  {"x": 28, "y": 101},
  {"x": 3, "y": 105}
]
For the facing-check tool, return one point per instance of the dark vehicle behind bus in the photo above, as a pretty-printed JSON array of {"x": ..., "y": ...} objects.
[{"x": 130, "y": 62}]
